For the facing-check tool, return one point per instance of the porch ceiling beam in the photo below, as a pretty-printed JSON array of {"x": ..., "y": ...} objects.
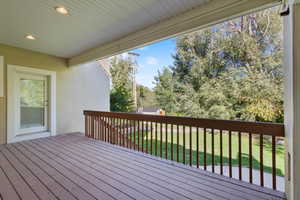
[{"x": 214, "y": 11}]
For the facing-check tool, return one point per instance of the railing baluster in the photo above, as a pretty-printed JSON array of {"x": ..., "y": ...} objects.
[
  {"x": 250, "y": 159},
  {"x": 129, "y": 134},
  {"x": 147, "y": 142},
  {"x": 274, "y": 185},
  {"x": 172, "y": 143},
  {"x": 107, "y": 127},
  {"x": 230, "y": 154},
  {"x": 98, "y": 127},
  {"x": 90, "y": 124},
  {"x": 116, "y": 130},
  {"x": 142, "y": 136},
  {"x": 197, "y": 146},
  {"x": 191, "y": 150},
  {"x": 213, "y": 150},
  {"x": 86, "y": 125},
  {"x": 138, "y": 135},
  {"x": 126, "y": 133},
  {"x": 134, "y": 134},
  {"x": 177, "y": 149},
  {"x": 93, "y": 126},
  {"x": 161, "y": 139},
  {"x": 110, "y": 130},
  {"x": 104, "y": 129},
  {"x": 183, "y": 150},
  {"x": 156, "y": 150},
  {"x": 221, "y": 152},
  {"x": 261, "y": 152},
  {"x": 123, "y": 132},
  {"x": 166, "y": 142},
  {"x": 240, "y": 155},
  {"x": 151, "y": 143},
  {"x": 205, "y": 158}
]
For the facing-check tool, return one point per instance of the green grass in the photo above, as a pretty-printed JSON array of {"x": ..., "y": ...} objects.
[{"x": 245, "y": 148}]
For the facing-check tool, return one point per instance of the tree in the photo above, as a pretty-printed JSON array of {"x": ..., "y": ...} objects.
[
  {"x": 165, "y": 90},
  {"x": 145, "y": 97},
  {"x": 231, "y": 70},
  {"x": 121, "y": 70},
  {"x": 121, "y": 100}
]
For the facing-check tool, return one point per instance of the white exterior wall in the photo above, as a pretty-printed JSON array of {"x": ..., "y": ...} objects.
[{"x": 83, "y": 87}]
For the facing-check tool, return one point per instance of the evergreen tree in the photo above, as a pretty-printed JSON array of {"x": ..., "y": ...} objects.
[{"x": 232, "y": 70}]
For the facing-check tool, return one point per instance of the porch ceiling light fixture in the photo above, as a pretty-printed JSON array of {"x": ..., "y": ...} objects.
[
  {"x": 62, "y": 10},
  {"x": 30, "y": 37}
]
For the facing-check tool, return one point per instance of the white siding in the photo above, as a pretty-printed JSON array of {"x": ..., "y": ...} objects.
[{"x": 80, "y": 88}]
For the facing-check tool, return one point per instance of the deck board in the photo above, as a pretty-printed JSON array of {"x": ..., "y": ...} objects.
[
  {"x": 51, "y": 183},
  {"x": 20, "y": 185},
  {"x": 143, "y": 166},
  {"x": 72, "y": 166}
]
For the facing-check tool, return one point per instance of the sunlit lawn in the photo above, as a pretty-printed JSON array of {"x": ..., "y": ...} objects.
[{"x": 245, "y": 148}]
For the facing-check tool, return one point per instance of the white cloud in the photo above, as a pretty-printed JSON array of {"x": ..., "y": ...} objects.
[{"x": 151, "y": 61}]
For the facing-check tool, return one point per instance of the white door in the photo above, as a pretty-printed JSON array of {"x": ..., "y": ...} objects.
[{"x": 30, "y": 104}]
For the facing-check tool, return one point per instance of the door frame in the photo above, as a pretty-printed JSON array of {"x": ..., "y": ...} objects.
[{"x": 12, "y": 75}]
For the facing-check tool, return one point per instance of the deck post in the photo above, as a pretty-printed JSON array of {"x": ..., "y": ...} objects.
[{"x": 292, "y": 99}]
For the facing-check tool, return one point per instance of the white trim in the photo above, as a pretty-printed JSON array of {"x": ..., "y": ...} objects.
[
  {"x": 12, "y": 71},
  {"x": 292, "y": 101},
  {"x": 1, "y": 76}
]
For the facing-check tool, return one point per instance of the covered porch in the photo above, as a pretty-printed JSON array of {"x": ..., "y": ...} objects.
[
  {"x": 113, "y": 159},
  {"x": 73, "y": 166}
]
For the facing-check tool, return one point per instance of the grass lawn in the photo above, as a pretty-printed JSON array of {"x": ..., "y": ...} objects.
[{"x": 245, "y": 148}]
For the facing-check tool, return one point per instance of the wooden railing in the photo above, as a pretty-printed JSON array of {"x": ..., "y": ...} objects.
[{"x": 201, "y": 143}]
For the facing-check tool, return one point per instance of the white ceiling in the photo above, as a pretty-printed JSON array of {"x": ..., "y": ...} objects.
[{"x": 90, "y": 23}]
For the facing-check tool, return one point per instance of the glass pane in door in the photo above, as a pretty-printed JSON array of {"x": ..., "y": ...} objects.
[{"x": 33, "y": 97}]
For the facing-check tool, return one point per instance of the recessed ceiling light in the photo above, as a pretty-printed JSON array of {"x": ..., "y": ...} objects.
[
  {"x": 61, "y": 10},
  {"x": 30, "y": 37}
]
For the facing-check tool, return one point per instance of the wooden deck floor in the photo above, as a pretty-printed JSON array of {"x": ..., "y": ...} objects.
[{"x": 75, "y": 167}]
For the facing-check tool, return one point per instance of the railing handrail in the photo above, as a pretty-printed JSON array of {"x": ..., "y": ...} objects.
[{"x": 265, "y": 128}]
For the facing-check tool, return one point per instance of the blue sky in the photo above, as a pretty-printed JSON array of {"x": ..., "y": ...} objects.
[{"x": 153, "y": 58}]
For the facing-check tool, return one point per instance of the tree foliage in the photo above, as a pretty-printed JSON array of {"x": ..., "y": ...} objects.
[
  {"x": 121, "y": 99},
  {"x": 231, "y": 70},
  {"x": 145, "y": 97},
  {"x": 121, "y": 96}
]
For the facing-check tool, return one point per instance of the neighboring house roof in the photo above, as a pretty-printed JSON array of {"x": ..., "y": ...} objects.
[
  {"x": 150, "y": 109},
  {"x": 105, "y": 65}
]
